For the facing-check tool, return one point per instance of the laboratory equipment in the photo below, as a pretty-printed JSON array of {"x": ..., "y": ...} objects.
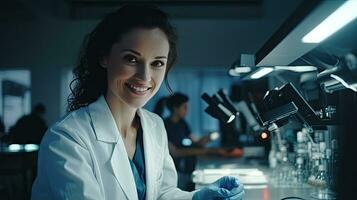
[
  {"x": 312, "y": 157},
  {"x": 218, "y": 108}
]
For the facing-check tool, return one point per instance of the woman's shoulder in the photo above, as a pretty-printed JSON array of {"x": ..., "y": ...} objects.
[
  {"x": 73, "y": 125},
  {"x": 73, "y": 119}
]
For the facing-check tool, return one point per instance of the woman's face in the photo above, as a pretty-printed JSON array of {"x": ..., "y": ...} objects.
[{"x": 136, "y": 66}]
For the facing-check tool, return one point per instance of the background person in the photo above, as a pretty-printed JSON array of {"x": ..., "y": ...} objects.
[
  {"x": 183, "y": 145},
  {"x": 30, "y": 129}
]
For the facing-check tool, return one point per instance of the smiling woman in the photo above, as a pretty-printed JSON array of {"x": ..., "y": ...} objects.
[
  {"x": 136, "y": 66},
  {"x": 112, "y": 38},
  {"x": 108, "y": 147}
]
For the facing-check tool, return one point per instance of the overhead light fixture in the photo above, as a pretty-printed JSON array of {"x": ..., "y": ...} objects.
[
  {"x": 237, "y": 71},
  {"x": 241, "y": 70},
  {"x": 232, "y": 72},
  {"x": 296, "y": 68},
  {"x": 243, "y": 65},
  {"x": 334, "y": 22},
  {"x": 261, "y": 72}
]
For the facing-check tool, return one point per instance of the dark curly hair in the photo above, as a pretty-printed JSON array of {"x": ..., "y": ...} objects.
[{"x": 90, "y": 78}]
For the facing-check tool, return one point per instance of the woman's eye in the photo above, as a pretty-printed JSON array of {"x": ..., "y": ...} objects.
[
  {"x": 157, "y": 63},
  {"x": 130, "y": 59}
]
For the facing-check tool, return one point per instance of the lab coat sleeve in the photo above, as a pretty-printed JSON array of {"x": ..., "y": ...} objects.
[
  {"x": 168, "y": 189},
  {"x": 67, "y": 166}
]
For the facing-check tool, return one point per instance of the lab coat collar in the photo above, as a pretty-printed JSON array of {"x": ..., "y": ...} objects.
[
  {"x": 104, "y": 124},
  {"x": 121, "y": 166}
]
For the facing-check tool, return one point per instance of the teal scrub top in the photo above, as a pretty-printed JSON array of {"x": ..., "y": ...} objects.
[{"x": 138, "y": 166}]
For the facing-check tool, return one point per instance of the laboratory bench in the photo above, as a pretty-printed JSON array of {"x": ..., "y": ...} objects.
[{"x": 253, "y": 173}]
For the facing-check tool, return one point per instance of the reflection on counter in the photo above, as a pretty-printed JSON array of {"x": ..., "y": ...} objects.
[
  {"x": 254, "y": 174},
  {"x": 250, "y": 177}
]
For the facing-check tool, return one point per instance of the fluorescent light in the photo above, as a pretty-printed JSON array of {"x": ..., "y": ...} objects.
[
  {"x": 339, "y": 18},
  {"x": 262, "y": 72},
  {"x": 232, "y": 72},
  {"x": 237, "y": 71},
  {"x": 296, "y": 68},
  {"x": 242, "y": 69}
]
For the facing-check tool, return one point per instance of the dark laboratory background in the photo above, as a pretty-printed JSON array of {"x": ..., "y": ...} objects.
[{"x": 253, "y": 83}]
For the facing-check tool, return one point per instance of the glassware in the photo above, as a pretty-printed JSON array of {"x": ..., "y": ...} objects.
[
  {"x": 321, "y": 183},
  {"x": 300, "y": 172}
]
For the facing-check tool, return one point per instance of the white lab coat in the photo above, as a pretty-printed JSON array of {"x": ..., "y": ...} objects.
[{"x": 83, "y": 157}]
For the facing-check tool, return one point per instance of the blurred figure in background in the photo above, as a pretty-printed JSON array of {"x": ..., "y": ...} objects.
[
  {"x": 30, "y": 129},
  {"x": 183, "y": 145}
]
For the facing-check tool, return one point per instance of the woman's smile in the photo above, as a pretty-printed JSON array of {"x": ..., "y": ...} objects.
[{"x": 138, "y": 89}]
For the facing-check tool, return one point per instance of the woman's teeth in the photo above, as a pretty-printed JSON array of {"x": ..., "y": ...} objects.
[{"x": 138, "y": 89}]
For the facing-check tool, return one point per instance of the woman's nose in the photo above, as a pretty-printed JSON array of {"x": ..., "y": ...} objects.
[{"x": 143, "y": 73}]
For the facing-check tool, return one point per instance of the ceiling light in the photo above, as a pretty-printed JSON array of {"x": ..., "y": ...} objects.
[
  {"x": 242, "y": 70},
  {"x": 296, "y": 68},
  {"x": 232, "y": 72},
  {"x": 339, "y": 18},
  {"x": 237, "y": 71},
  {"x": 261, "y": 72}
]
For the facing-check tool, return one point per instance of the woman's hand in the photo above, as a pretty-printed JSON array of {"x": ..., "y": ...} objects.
[{"x": 226, "y": 187}]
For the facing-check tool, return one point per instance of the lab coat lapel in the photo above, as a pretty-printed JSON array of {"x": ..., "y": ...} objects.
[
  {"x": 107, "y": 132},
  {"x": 122, "y": 170},
  {"x": 152, "y": 153},
  {"x": 103, "y": 123}
]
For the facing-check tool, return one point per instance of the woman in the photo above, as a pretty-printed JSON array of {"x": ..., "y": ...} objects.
[{"x": 108, "y": 147}]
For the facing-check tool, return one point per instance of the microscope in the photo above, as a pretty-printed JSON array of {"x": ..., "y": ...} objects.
[{"x": 313, "y": 159}]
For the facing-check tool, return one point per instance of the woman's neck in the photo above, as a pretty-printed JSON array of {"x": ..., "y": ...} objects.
[{"x": 123, "y": 114}]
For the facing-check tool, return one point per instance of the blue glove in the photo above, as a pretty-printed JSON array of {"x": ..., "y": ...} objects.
[{"x": 226, "y": 187}]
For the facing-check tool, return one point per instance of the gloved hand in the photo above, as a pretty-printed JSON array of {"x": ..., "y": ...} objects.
[{"x": 226, "y": 187}]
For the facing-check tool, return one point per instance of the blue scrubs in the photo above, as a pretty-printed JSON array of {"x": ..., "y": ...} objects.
[
  {"x": 138, "y": 166},
  {"x": 176, "y": 133}
]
